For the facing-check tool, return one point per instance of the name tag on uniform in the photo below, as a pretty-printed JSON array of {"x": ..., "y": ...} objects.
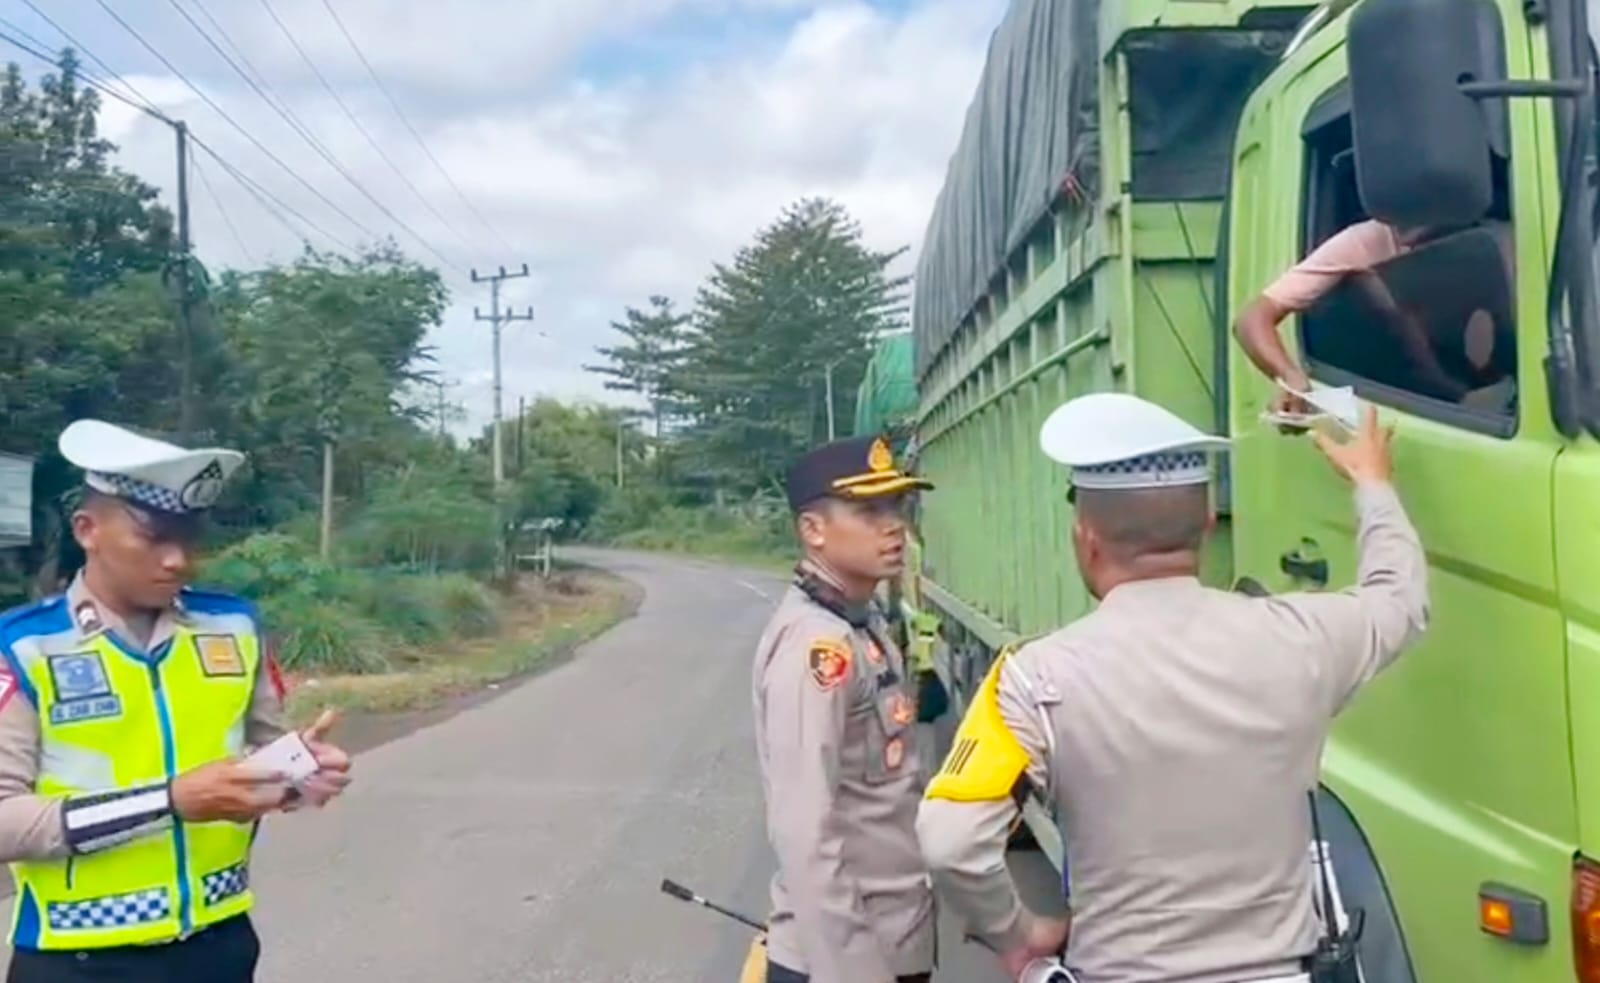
[
  {"x": 219, "y": 655},
  {"x": 83, "y": 691}
]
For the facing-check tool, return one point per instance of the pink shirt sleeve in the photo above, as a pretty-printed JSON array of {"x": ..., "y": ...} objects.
[{"x": 1353, "y": 249}]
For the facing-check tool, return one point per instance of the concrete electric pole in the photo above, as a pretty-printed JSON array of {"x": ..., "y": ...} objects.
[{"x": 497, "y": 318}]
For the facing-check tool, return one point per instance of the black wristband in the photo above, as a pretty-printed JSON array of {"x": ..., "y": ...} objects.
[{"x": 101, "y": 820}]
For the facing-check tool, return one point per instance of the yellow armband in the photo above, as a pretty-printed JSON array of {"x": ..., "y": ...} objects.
[{"x": 986, "y": 759}]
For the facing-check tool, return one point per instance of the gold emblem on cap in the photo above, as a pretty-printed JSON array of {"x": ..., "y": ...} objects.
[{"x": 880, "y": 458}]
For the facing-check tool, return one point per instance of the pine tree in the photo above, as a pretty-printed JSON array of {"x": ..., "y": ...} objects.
[
  {"x": 650, "y": 357},
  {"x": 805, "y": 298}
]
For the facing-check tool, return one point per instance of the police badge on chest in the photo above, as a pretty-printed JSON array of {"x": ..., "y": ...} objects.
[{"x": 83, "y": 691}]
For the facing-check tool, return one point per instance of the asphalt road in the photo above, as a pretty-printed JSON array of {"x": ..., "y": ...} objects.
[{"x": 526, "y": 839}]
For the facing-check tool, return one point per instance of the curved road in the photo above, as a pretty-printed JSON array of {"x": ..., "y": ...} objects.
[{"x": 525, "y": 839}]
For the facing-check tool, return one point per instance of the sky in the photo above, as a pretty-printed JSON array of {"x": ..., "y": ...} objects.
[{"x": 619, "y": 148}]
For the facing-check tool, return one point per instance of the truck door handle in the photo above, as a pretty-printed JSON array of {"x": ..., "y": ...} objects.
[{"x": 1297, "y": 564}]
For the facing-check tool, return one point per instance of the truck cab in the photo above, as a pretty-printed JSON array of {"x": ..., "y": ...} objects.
[{"x": 1468, "y": 769}]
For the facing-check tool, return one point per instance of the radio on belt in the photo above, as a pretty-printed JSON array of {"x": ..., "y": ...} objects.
[{"x": 288, "y": 755}]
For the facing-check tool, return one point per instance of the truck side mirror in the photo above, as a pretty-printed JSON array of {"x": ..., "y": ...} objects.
[{"x": 1422, "y": 139}]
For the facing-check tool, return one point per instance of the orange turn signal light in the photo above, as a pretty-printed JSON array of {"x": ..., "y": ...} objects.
[
  {"x": 1514, "y": 915},
  {"x": 1586, "y": 920},
  {"x": 1495, "y": 917}
]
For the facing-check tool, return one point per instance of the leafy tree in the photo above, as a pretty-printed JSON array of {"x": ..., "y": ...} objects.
[
  {"x": 567, "y": 457},
  {"x": 85, "y": 325},
  {"x": 326, "y": 349},
  {"x": 69, "y": 213}
]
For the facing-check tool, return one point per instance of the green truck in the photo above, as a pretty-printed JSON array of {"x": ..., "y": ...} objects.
[
  {"x": 886, "y": 402},
  {"x": 1130, "y": 176}
]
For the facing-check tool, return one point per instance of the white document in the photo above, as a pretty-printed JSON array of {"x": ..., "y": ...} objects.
[
  {"x": 288, "y": 755},
  {"x": 1337, "y": 404}
]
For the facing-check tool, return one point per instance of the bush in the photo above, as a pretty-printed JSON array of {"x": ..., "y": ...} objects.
[
  {"x": 469, "y": 606},
  {"x": 421, "y": 524},
  {"x": 628, "y": 510},
  {"x": 420, "y": 609},
  {"x": 316, "y": 635},
  {"x": 265, "y": 564},
  {"x": 348, "y": 621},
  {"x": 387, "y": 591},
  {"x": 397, "y": 603}
]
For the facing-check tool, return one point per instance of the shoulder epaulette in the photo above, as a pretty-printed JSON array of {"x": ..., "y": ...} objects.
[
  {"x": 17, "y": 617},
  {"x": 216, "y": 602}
]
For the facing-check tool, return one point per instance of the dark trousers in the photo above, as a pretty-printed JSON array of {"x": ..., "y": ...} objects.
[
  {"x": 782, "y": 974},
  {"x": 224, "y": 953}
]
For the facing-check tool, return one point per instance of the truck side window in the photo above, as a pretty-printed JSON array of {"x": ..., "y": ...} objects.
[{"x": 1430, "y": 327}]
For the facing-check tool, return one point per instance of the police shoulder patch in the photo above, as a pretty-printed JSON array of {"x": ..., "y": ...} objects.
[
  {"x": 219, "y": 655},
  {"x": 986, "y": 759},
  {"x": 829, "y": 661}
]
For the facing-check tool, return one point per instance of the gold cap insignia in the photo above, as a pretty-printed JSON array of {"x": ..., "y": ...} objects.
[{"x": 880, "y": 458}]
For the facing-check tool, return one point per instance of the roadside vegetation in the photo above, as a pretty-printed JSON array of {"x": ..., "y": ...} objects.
[
  {"x": 369, "y": 532},
  {"x": 320, "y": 369},
  {"x": 543, "y": 621}
]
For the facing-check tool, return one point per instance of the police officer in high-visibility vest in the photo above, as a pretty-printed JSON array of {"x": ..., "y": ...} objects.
[{"x": 126, "y": 707}]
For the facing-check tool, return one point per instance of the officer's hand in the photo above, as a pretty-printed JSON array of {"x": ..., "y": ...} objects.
[
  {"x": 1365, "y": 458},
  {"x": 227, "y": 790},
  {"x": 1041, "y": 938},
  {"x": 333, "y": 764}
]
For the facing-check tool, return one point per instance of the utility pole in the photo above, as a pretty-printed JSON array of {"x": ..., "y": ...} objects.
[
  {"x": 440, "y": 385},
  {"x": 496, "y": 318},
  {"x": 522, "y": 419},
  {"x": 827, "y": 377},
  {"x": 186, "y": 396},
  {"x": 186, "y": 407}
]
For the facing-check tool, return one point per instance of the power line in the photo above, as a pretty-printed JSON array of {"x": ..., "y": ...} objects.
[
  {"x": 231, "y": 121},
  {"x": 267, "y": 199},
  {"x": 261, "y": 194},
  {"x": 407, "y": 121},
  {"x": 55, "y": 62},
  {"x": 354, "y": 121},
  {"x": 271, "y": 203},
  {"x": 16, "y": 28},
  {"x": 78, "y": 45},
  {"x": 296, "y": 124},
  {"x": 216, "y": 200},
  {"x": 257, "y": 191}
]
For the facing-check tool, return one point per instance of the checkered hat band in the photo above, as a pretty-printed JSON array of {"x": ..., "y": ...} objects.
[
  {"x": 113, "y": 911},
  {"x": 140, "y": 492},
  {"x": 1149, "y": 471}
]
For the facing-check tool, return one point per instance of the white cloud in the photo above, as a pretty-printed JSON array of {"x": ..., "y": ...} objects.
[{"x": 610, "y": 188}]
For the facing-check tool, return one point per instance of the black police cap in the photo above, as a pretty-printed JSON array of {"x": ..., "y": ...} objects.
[{"x": 854, "y": 469}]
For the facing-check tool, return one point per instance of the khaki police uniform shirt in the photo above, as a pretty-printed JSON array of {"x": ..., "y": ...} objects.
[
  {"x": 1178, "y": 729},
  {"x": 836, "y": 739},
  {"x": 31, "y": 825}
]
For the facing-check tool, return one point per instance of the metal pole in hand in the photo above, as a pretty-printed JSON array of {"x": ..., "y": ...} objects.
[{"x": 682, "y": 893}]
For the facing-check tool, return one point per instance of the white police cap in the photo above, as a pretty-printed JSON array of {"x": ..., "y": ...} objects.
[
  {"x": 1117, "y": 441},
  {"x": 151, "y": 473}
]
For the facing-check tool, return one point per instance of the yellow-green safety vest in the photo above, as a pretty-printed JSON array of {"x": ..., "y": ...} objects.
[{"x": 113, "y": 718}]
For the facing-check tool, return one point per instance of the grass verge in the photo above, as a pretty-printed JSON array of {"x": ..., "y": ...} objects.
[{"x": 541, "y": 623}]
